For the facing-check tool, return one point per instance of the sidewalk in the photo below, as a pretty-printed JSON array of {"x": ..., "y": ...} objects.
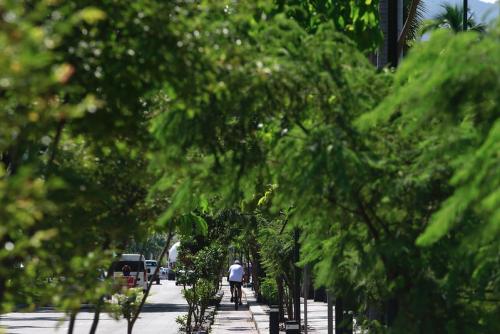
[
  {"x": 227, "y": 320},
  {"x": 316, "y": 312}
]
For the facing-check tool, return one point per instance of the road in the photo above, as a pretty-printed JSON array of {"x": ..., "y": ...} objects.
[{"x": 164, "y": 304}]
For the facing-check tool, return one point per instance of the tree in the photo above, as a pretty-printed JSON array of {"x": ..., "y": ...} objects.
[
  {"x": 151, "y": 247},
  {"x": 361, "y": 195},
  {"x": 110, "y": 135},
  {"x": 73, "y": 177},
  {"x": 200, "y": 263},
  {"x": 459, "y": 136},
  {"x": 358, "y": 19},
  {"x": 276, "y": 249},
  {"x": 452, "y": 18}
]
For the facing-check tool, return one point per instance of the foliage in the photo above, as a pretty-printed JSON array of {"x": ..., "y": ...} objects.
[
  {"x": 413, "y": 14},
  {"x": 181, "y": 320},
  {"x": 151, "y": 247},
  {"x": 200, "y": 262},
  {"x": 269, "y": 291},
  {"x": 202, "y": 275},
  {"x": 198, "y": 298},
  {"x": 359, "y": 20},
  {"x": 464, "y": 124},
  {"x": 458, "y": 144},
  {"x": 451, "y": 18},
  {"x": 276, "y": 250},
  {"x": 298, "y": 115},
  {"x": 285, "y": 123},
  {"x": 126, "y": 305},
  {"x": 418, "y": 19},
  {"x": 73, "y": 176},
  {"x": 121, "y": 119}
]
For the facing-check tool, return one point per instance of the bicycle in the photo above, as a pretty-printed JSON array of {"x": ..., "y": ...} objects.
[
  {"x": 236, "y": 297},
  {"x": 235, "y": 293}
]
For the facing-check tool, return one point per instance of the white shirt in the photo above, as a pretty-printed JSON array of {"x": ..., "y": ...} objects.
[{"x": 236, "y": 273}]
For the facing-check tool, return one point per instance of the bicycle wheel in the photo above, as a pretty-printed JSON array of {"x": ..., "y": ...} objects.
[{"x": 236, "y": 298}]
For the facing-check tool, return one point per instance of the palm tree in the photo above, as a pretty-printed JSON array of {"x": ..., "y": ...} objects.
[
  {"x": 414, "y": 12},
  {"x": 452, "y": 18}
]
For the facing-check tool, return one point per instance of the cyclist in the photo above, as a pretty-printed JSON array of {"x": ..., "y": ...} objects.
[{"x": 235, "y": 277}]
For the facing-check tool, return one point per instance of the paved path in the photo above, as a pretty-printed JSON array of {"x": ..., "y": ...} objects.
[
  {"x": 227, "y": 320},
  {"x": 164, "y": 304},
  {"x": 317, "y": 314},
  {"x": 316, "y": 311}
]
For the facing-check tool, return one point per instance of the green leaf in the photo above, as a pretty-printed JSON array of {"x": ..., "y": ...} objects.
[{"x": 91, "y": 15}]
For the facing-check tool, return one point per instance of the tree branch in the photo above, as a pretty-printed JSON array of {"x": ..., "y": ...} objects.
[
  {"x": 57, "y": 139},
  {"x": 304, "y": 129},
  {"x": 367, "y": 220}
]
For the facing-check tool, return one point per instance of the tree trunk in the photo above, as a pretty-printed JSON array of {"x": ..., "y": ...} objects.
[
  {"x": 339, "y": 315},
  {"x": 130, "y": 326},
  {"x": 256, "y": 270},
  {"x": 97, "y": 314},
  {"x": 281, "y": 301},
  {"x": 296, "y": 277},
  {"x": 391, "y": 309},
  {"x": 289, "y": 304},
  {"x": 72, "y": 319},
  {"x": 189, "y": 318},
  {"x": 3, "y": 282},
  {"x": 465, "y": 9},
  {"x": 57, "y": 139},
  {"x": 195, "y": 307},
  {"x": 343, "y": 318},
  {"x": 203, "y": 308}
]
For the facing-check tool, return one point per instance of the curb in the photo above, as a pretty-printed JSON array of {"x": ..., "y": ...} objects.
[{"x": 260, "y": 313}]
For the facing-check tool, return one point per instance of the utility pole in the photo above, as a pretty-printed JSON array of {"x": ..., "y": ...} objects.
[{"x": 466, "y": 10}]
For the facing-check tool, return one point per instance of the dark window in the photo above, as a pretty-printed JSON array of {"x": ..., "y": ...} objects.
[{"x": 134, "y": 265}]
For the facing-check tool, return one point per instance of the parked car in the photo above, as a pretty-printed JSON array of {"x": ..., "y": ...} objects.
[
  {"x": 136, "y": 274},
  {"x": 170, "y": 274},
  {"x": 184, "y": 277},
  {"x": 151, "y": 268}
]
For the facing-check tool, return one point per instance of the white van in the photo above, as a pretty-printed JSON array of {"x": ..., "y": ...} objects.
[
  {"x": 137, "y": 265},
  {"x": 151, "y": 268}
]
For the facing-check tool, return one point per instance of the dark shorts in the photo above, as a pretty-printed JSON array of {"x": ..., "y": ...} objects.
[{"x": 235, "y": 283}]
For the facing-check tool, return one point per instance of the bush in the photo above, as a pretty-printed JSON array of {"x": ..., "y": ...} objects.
[
  {"x": 269, "y": 290},
  {"x": 181, "y": 320},
  {"x": 126, "y": 305},
  {"x": 198, "y": 298}
]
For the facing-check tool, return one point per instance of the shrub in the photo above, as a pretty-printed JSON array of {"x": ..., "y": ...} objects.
[{"x": 269, "y": 290}]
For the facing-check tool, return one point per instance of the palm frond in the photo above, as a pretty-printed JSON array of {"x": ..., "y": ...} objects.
[{"x": 416, "y": 22}]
